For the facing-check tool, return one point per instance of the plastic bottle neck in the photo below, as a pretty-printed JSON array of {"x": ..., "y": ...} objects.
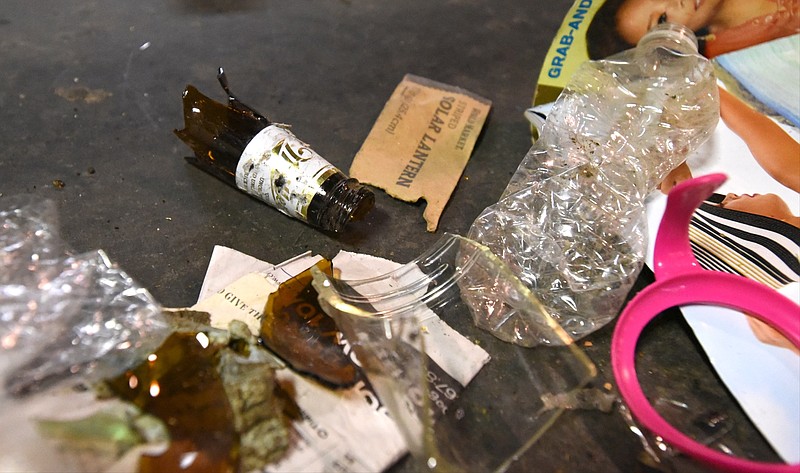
[{"x": 671, "y": 36}]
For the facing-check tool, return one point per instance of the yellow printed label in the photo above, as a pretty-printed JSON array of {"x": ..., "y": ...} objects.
[{"x": 567, "y": 51}]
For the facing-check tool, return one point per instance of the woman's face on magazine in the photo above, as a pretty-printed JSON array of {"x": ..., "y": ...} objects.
[
  {"x": 768, "y": 205},
  {"x": 637, "y": 17}
]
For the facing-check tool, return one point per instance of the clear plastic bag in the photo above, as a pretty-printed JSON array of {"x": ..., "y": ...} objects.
[
  {"x": 571, "y": 221},
  {"x": 65, "y": 315}
]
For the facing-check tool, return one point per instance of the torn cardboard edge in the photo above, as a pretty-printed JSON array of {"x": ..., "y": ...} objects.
[{"x": 421, "y": 142}]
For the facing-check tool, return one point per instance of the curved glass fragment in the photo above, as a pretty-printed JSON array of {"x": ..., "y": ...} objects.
[{"x": 464, "y": 398}]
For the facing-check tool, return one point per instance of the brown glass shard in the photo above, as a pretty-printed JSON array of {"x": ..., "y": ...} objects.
[
  {"x": 216, "y": 132},
  {"x": 179, "y": 384},
  {"x": 296, "y": 329},
  {"x": 211, "y": 394}
]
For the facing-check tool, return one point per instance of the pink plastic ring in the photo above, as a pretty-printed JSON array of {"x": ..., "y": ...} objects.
[
  {"x": 681, "y": 281},
  {"x": 700, "y": 287}
]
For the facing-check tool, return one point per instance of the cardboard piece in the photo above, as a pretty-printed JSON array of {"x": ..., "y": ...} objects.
[{"x": 421, "y": 142}]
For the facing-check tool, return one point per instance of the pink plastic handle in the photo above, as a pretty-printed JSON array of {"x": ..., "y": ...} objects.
[
  {"x": 672, "y": 253},
  {"x": 680, "y": 281}
]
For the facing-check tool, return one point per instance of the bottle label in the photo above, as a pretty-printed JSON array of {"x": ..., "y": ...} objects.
[{"x": 281, "y": 170}]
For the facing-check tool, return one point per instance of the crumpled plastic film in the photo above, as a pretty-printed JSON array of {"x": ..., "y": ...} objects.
[
  {"x": 571, "y": 222},
  {"x": 65, "y": 315},
  {"x": 28, "y": 239}
]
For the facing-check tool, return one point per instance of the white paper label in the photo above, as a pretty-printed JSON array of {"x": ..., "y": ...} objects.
[{"x": 281, "y": 170}]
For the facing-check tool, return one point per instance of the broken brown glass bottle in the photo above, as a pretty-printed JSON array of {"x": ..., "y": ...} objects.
[{"x": 245, "y": 149}]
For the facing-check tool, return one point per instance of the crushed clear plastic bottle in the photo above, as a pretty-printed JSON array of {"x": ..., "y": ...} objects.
[{"x": 571, "y": 222}]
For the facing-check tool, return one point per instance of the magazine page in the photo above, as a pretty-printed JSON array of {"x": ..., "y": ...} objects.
[
  {"x": 752, "y": 227},
  {"x": 567, "y": 51}
]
